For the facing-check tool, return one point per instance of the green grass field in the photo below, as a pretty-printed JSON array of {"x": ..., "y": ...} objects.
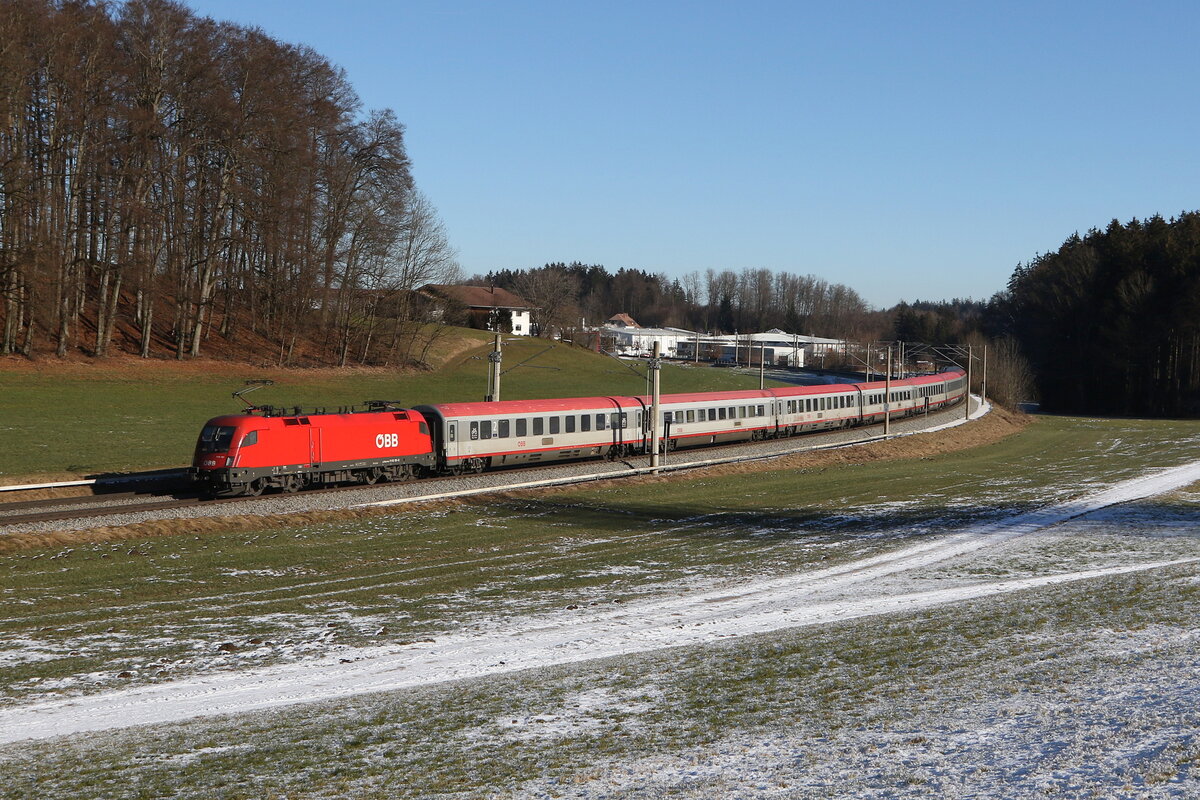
[
  {"x": 78, "y": 419},
  {"x": 95, "y": 617}
]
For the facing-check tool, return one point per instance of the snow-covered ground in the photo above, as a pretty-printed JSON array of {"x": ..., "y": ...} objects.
[{"x": 861, "y": 588}]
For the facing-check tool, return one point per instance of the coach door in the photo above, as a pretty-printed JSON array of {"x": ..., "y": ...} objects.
[{"x": 452, "y": 432}]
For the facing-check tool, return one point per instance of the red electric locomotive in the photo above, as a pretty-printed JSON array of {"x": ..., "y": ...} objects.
[{"x": 243, "y": 454}]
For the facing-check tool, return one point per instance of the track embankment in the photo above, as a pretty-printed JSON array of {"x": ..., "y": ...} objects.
[{"x": 302, "y": 509}]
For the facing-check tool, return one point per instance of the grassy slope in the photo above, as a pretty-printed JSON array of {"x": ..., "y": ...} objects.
[{"x": 130, "y": 415}]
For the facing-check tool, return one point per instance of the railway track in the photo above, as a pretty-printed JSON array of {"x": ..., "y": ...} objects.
[{"x": 94, "y": 507}]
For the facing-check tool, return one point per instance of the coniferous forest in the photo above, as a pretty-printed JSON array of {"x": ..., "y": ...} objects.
[{"x": 1110, "y": 322}]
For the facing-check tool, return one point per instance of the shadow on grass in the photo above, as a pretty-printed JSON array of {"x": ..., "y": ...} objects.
[{"x": 800, "y": 524}]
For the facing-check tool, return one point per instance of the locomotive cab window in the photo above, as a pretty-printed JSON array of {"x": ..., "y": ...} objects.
[
  {"x": 250, "y": 438},
  {"x": 423, "y": 428},
  {"x": 215, "y": 438}
]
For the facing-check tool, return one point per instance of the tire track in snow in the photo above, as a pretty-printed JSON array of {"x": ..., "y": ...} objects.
[{"x": 691, "y": 619}]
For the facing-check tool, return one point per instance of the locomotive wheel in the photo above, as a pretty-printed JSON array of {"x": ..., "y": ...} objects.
[
  {"x": 254, "y": 488},
  {"x": 291, "y": 483},
  {"x": 370, "y": 477}
]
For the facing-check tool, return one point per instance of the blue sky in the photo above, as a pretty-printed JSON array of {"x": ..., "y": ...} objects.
[{"x": 909, "y": 150}]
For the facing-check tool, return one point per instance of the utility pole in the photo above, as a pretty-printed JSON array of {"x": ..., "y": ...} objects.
[
  {"x": 762, "y": 364},
  {"x": 983, "y": 380},
  {"x": 655, "y": 422},
  {"x": 696, "y": 355},
  {"x": 494, "y": 372},
  {"x": 887, "y": 395},
  {"x": 967, "y": 413}
]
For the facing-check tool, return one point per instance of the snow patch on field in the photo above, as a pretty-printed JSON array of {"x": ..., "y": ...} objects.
[{"x": 831, "y": 594}]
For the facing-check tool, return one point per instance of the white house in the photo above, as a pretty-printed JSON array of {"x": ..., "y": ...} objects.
[{"x": 484, "y": 304}]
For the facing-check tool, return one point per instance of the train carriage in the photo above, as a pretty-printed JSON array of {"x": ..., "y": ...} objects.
[
  {"x": 701, "y": 418},
  {"x": 474, "y": 436}
]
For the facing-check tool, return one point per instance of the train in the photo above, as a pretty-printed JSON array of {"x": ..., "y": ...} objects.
[{"x": 267, "y": 448}]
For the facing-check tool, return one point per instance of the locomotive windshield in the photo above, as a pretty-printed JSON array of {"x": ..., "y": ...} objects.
[{"x": 215, "y": 439}]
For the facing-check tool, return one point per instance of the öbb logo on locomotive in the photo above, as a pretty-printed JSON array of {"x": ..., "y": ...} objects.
[{"x": 268, "y": 448}]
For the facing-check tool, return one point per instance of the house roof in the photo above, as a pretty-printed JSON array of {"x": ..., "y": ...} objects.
[
  {"x": 478, "y": 296},
  {"x": 622, "y": 319}
]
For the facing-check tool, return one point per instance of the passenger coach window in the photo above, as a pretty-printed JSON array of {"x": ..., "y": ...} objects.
[
  {"x": 741, "y": 412},
  {"x": 485, "y": 430},
  {"x": 570, "y": 423},
  {"x": 522, "y": 427},
  {"x": 504, "y": 429},
  {"x": 554, "y": 423},
  {"x": 600, "y": 422},
  {"x": 538, "y": 425},
  {"x": 585, "y": 422},
  {"x": 678, "y": 416},
  {"x": 691, "y": 415},
  {"x": 721, "y": 413}
]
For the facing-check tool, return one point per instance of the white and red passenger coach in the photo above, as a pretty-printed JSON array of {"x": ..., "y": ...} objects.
[{"x": 477, "y": 436}]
